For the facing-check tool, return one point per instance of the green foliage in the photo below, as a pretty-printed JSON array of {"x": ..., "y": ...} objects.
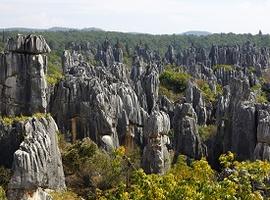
[
  {"x": 64, "y": 195},
  {"x": 175, "y": 81},
  {"x": 2, "y": 194},
  {"x": 54, "y": 74},
  {"x": 207, "y": 132},
  {"x": 261, "y": 96},
  {"x": 169, "y": 93},
  {"x": 128, "y": 61},
  {"x": 251, "y": 69},
  {"x": 5, "y": 175},
  {"x": 88, "y": 168},
  {"x": 196, "y": 181},
  {"x": 8, "y": 120},
  {"x": 225, "y": 67},
  {"x": 219, "y": 89},
  {"x": 208, "y": 94}
]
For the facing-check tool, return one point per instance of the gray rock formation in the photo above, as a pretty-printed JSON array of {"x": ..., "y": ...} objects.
[
  {"x": 118, "y": 53},
  {"x": 37, "y": 160},
  {"x": 170, "y": 55},
  {"x": 146, "y": 83},
  {"x": 245, "y": 56},
  {"x": 262, "y": 149},
  {"x": 30, "y": 44},
  {"x": 236, "y": 120},
  {"x": 186, "y": 138},
  {"x": 22, "y": 79},
  {"x": 105, "y": 54},
  {"x": 96, "y": 102},
  {"x": 194, "y": 96},
  {"x": 156, "y": 158}
]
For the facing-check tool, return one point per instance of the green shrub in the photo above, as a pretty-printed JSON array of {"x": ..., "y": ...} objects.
[
  {"x": 208, "y": 94},
  {"x": 197, "y": 181},
  {"x": 87, "y": 167},
  {"x": 5, "y": 175},
  {"x": 64, "y": 195},
  {"x": 8, "y": 120},
  {"x": 261, "y": 96},
  {"x": 169, "y": 93},
  {"x": 54, "y": 74},
  {"x": 223, "y": 66},
  {"x": 2, "y": 194},
  {"x": 175, "y": 81},
  {"x": 207, "y": 132}
]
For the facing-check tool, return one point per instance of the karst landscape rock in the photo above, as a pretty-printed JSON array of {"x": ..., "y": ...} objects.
[{"x": 102, "y": 97}]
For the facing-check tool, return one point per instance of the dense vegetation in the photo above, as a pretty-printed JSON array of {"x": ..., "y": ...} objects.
[
  {"x": 94, "y": 174},
  {"x": 59, "y": 40},
  {"x": 173, "y": 82}
]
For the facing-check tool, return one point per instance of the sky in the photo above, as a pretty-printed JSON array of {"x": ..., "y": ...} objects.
[{"x": 147, "y": 16}]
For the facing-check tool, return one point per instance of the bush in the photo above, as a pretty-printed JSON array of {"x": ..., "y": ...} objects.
[
  {"x": 197, "y": 181},
  {"x": 222, "y": 66},
  {"x": 54, "y": 74},
  {"x": 208, "y": 94},
  {"x": 207, "y": 132},
  {"x": 64, "y": 195},
  {"x": 8, "y": 120},
  {"x": 2, "y": 194},
  {"x": 169, "y": 93},
  {"x": 88, "y": 168},
  {"x": 175, "y": 81},
  {"x": 261, "y": 96}
]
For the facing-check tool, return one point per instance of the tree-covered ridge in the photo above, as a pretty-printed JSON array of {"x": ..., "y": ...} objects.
[{"x": 59, "y": 40}]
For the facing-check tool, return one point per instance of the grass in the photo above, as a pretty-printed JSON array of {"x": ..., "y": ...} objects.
[
  {"x": 225, "y": 67},
  {"x": 64, "y": 195},
  {"x": 8, "y": 120}
]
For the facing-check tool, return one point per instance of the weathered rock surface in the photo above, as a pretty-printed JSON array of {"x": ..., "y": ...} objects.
[
  {"x": 96, "y": 102},
  {"x": 30, "y": 44},
  {"x": 236, "y": 120},
  {"x": 37, "y": 162},
  {"x": 156, "y": 157},
  {"x": 146, "y": 83},
  {"x": 22, "y": 79},
  {"x": 186, "y": 138},
  {"x": 262, "y": 149},
  {"x": 194, "y": 96}
]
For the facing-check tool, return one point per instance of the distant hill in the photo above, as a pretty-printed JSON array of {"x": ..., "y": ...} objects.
[{"x": 197, "y": 33}]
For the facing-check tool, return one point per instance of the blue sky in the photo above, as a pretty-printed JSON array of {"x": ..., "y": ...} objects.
[{"x": 149, "y": 16}]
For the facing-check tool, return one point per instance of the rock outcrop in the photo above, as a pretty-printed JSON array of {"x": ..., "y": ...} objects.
[
  {"x": 146, "y": 84},
  {"x": 28, "y": 144},
  {"x": 186, "y": 138},
  {"x": 236, "y": 120},
  {"x": 37, "y": 162},
  {"x": 22, "y": 79},
  {"x": 156, "y": 157},
  {"x": 96, "y": 102},
  {"x": 262, "y": 149},
  {"x": 194, "y": 96}
]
